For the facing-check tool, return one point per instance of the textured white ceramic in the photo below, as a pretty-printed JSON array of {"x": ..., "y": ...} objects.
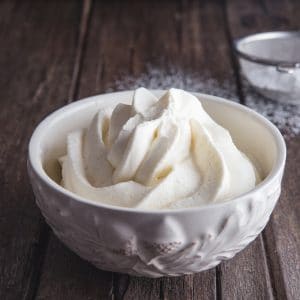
[{"x": 156, "y": 243}]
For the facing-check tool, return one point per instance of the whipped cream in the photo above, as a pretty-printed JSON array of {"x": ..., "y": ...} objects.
[{"x": 156, "y": 154}]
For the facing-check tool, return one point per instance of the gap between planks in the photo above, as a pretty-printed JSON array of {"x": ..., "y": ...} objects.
[
  {"x": 39, "y": 252},
  {"x": 234, "y": 62},
  {"x": 83, "y": 31}
]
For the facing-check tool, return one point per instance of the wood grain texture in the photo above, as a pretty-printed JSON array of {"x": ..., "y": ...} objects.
[
  {"x": 66, "y": 276},
  {"x": 246, "y": 276},
  {"x": 281, "y": 237},
  {"x": 163, "y": 35},
  {"x": 140, "y": 288},
  {"x": 36, "y": 65}
]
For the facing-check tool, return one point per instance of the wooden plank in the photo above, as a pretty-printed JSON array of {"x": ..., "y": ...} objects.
[
  {"x": 262, "y": 15},
  {"x": 139, "y": 288},
  {"x": 124, "y": 48},
  {"x": 65, "y": 275},
  {"x": 38, "y": 42},
  {"x": 198, "y": 286},
  {"x": 282, "y": 235},
  {"x": 246, "y": 276},
  {"x": 162, "y": 36}
]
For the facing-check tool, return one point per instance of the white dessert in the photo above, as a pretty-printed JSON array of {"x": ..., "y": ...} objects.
[{"x": 156, "y": 154}]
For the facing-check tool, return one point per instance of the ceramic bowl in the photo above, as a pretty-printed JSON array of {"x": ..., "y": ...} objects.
[{"x": 158, "y": 242}]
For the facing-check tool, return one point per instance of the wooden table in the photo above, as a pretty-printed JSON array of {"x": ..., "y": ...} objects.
[{"x": 55, "y": 51}]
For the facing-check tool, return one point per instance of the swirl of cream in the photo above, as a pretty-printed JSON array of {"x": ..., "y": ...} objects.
[{"x": 155, "y": 154}]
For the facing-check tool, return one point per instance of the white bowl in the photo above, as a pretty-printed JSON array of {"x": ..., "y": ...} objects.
[{"x": 158, "y": 242}]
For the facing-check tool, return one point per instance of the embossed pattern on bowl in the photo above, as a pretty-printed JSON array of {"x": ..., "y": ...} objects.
[{"x": 156, "y": 243}]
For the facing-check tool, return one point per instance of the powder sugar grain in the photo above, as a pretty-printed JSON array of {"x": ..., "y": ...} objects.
[{"x": 285, "y": 116}]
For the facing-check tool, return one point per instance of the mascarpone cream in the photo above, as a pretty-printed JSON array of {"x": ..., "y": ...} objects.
[{"x": 156, "y": 154}]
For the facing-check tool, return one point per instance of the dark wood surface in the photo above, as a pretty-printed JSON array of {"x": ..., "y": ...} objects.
[{"x": 53, "y": 52}]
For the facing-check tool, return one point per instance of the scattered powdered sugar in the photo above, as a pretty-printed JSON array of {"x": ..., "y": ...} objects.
[
  {"x": 285, "y": 117},
  {"x": 155, "y": 78}
]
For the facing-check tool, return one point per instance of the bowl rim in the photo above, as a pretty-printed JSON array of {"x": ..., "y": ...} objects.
[
  {"x": 35, "y": 164},
  {"x": 266, "y": 36}
]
